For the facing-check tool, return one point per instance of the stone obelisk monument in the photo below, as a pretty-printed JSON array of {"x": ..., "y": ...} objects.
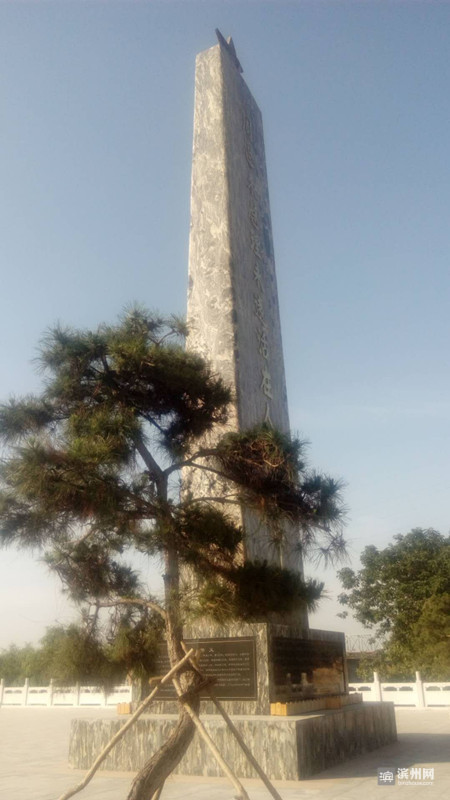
[
  {"x": 234, "y": 322},
  {"x": 233, "y": 315},
  {"x": 260, "y": 668}
]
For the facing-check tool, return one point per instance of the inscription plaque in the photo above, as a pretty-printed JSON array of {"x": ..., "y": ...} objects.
[
  {"x": 231, "y": 661},
  {"x": 321, "y": 662}
]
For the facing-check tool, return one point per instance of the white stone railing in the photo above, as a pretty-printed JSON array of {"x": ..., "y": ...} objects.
[
  {"x": 420, "y": 694},
  {"x": 53, "y": 695}
]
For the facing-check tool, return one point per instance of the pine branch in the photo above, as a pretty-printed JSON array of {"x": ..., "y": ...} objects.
[
  {"x": 133, "y": 601},
  {"x": 191, "y": 461},
  {"x": 223, "y": 498},
  {"x": 152, "y": 465}
]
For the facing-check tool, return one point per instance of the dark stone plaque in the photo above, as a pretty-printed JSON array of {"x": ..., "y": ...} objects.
[
  {"x": 231, "y": 661},
  {"x": 321, "y": 661}
]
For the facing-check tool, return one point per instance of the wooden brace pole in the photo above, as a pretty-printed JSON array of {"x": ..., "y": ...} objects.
[
  {"x": 242, "y": 794},
  {"x": 246, "y": 750},
  {"x": 238, "y": 736},
  {"x": 112, "y": 742}
]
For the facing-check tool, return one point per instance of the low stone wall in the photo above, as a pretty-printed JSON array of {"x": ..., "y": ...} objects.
[
  {"x": 288, "y": 748},
  {"x": 54, "y": 695},
  {"x": 420, "y": 694}
]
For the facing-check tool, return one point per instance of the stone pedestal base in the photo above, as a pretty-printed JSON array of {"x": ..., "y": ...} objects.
[{"x": 287, "y": 748}]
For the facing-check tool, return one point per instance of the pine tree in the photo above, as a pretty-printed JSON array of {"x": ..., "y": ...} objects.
[{"x": 92, "y": 472}]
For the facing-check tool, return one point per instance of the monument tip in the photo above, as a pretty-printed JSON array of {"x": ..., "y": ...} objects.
[{"x": 228, "y": 44}]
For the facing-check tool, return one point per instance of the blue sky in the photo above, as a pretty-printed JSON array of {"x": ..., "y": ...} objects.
[{"x": 96, "y": 137}]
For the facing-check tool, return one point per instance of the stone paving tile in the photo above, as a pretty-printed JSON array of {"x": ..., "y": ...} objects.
[{"x": 33, "y": 763}]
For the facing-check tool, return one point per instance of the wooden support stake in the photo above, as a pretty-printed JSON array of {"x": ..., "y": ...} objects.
[
  {"x": 246, "y": 750},
  {"x": 238, "y": 736},
  {"x": 242, "y": 794},
  {"x": 112, "y": 742}
]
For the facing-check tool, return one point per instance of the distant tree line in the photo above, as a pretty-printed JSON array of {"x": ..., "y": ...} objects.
[{"x": 73, "y": 653}]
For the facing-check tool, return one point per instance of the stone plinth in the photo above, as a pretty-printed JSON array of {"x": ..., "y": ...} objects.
[{"x": 288, "y": 748}]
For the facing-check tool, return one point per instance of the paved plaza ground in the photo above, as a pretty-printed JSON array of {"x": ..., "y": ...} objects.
[{"x": 33, "y": 763}]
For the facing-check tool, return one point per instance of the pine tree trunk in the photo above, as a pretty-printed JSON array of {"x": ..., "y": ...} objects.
[
  {"x": 154, "y": 773},
  {"x": 161, "y": 765}
]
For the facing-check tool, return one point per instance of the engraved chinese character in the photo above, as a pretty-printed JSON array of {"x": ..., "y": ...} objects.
[
  {"x": 267, "y": 417},
  {"x": 263, "y": 342},
  {"x": 255, "y": 243},
  {"x": 248, "y": 128},
  {"x": 266, "y": 383},
  {"x": 257, "y": 274},
  {"x": 253, "y": 215},
  {"x": 259, "y": 308},
  {"x": 248, "y": 141},
  {"x": 249, "y": 154},
  {"x": 252, "y": 187},
  {"x": 267, "y": 236}
]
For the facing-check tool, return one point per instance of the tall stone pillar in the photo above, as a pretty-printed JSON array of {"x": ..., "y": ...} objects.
[
  {"x": 233, "y": 315},
  {"x": 234, "y": 322}
]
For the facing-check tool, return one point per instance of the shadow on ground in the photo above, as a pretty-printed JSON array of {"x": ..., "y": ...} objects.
[{"x": 427, "y": 749}]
